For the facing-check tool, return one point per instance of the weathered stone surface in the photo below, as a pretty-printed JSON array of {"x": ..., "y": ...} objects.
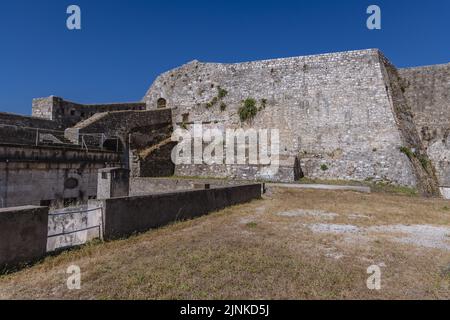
[
  {"x": 334, "y": 113},
  {"x": 427, "y": 90},
  {"x": 23, "y": 235},
  {"x": 67, "y": 114},
  {"x": 113, "y": 183},
  {"x": 32, "y": 175}
]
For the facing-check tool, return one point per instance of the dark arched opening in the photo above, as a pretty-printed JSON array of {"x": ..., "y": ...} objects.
[
  {"x": 114, "y": 145},
  {"x": 161, "y": 103},
  {"x": 298, "y": 172}
]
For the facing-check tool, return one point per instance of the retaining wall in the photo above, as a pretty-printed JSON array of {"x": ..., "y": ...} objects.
[
  {"x": 125, "y": 216},
  {"x": 23, "y": 235}
]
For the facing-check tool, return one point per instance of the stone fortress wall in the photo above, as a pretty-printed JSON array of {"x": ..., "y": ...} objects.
[
  {"x": 67, "y": 114},
  {"x": 335, "y": 112},
  {"x": 341, "y": 116},
  {"x": 427, "y": 90}
]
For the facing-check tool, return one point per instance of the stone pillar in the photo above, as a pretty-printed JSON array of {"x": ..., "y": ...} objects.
[{"x": 113, "y": 183}]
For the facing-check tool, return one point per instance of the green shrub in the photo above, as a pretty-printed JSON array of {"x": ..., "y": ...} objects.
[
  {"x": 222, "y": 93},
  {"x": 407, "y": 151},
  {"x": 324, "y": 167},
  {"x": 223, "y": 106},
  {"x": 424, "y": 161},
  {"x": 248, "y": 110}
]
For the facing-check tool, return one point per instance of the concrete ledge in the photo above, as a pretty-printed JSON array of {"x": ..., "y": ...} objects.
[
  {"x": 321, "y": 187},
  {"x": 125, "y": 216},
  {"x": 23, "y": 235}
]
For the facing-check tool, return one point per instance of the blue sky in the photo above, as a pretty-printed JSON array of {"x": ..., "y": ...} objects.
[{"x": 124, "y": 45}]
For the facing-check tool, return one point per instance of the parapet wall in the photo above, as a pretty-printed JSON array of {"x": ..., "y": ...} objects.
[
  {"x": 66, "y": 113},
  {"x": 23, "y": 235},
  {"x": 9, "y": 119},
  {"x": 333, "y": 111},
  {"x": 143, "y": 186},
  {"x": 125, "y": 216}
]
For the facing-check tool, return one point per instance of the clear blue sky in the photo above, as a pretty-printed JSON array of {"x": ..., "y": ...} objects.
[{"x": 124, "y": 45}]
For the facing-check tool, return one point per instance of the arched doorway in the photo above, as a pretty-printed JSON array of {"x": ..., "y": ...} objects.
[{"x": 161, "y": 103}]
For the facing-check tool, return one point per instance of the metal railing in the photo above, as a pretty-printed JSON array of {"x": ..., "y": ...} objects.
[
  {"x": 46, "y": 137},
  {"x": 80, "y": 212}
]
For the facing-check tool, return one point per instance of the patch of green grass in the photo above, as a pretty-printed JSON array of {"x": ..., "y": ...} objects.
[
  {"x": 248, "y": 110},
  {"x": 252, "y": 225},
  {"x": 324, "y": 167},
  {"x": 390, "y": 188},
  {"x": 380, "y": 187}
]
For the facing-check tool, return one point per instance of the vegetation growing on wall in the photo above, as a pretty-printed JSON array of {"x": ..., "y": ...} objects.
[
  {"x": 249, "y": 110},
  {"x": 221, "y": 94},
  {"x": 407, "y": 151},
  {"x": 422, "y": 158}
]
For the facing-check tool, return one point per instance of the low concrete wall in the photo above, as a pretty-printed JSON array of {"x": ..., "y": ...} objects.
[
  {"x": 125, "y": 216},
  {"x": 23, "y": 235},
  {"x": 146, "y": 186},
  {"x": 73, "y": 227}
]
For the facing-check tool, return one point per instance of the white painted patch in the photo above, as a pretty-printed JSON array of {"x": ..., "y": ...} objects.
[
  {"x": 308, "y": 213},
  {"x": 420, "y": 235},
  {"x": 333, "y": 228},
  {"x": 436, "y": 237},
  {"x": 357, "y": 216},
  {"x": 445, "y": 192}
]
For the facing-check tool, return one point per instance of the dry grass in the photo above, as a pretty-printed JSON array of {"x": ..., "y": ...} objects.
[{"x": 251, "y": 252}]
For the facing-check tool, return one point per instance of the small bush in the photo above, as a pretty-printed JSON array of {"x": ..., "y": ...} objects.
[
  {"x": 324, "y": 167},
  {"x": 223, "y": 106},
  {"x": 249, "y": 110},
  {"x": 407, "y": 151},
  {"x": 222, "y": 93},
  {"x": 424, "y": 162}
]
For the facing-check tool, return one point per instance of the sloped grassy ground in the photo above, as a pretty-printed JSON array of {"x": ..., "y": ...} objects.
[{"x": 293, "y": 244}]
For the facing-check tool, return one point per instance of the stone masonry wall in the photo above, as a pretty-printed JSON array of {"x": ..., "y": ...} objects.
[
  {"x": 145, "y": 136},
  {"x": 427, "y": 90},
  {"x": 68, "y": 114},
  {"x": 9, "y": 119},
  {"x": 333, "y": 112}
]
